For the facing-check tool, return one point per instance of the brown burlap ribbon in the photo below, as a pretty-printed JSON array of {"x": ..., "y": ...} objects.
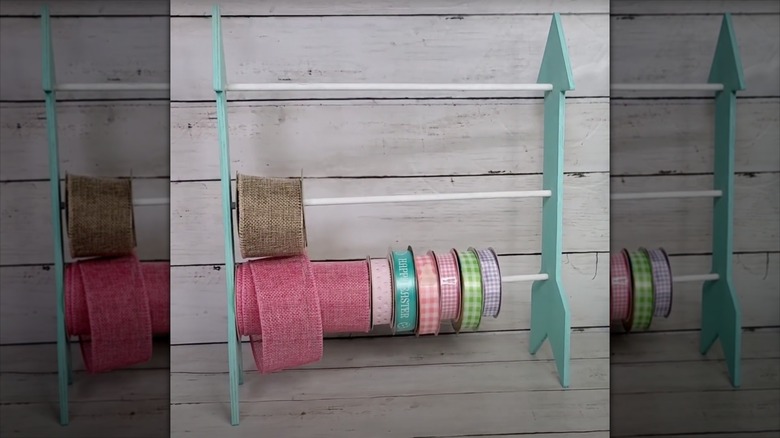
[
  {"x": 270, "y": 216},
  {"x": 99, "y": 216}
]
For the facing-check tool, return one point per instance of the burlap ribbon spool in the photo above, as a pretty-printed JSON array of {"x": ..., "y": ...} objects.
[
  {"x": 270, "y": 216},
  {"x": 99, "y": 216}
]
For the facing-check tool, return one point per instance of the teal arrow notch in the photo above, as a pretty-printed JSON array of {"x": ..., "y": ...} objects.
[
  {"x": 550, "y": 315},
  {"x": 721, "y": 315}
]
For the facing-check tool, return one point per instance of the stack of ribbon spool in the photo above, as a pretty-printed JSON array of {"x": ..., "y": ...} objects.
[
  {"x": 640, "y": 287},
  {"x": 286, "y": 303},
  {"x": 114, "y": 303}
]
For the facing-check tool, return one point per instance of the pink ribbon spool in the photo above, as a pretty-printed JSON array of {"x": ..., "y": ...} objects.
[
  {"x": 107, "y": 307},
  {"x": 278, "y": 307},
  {"x": 344, "y": 296},
  {"x": 620, "y": 287}
]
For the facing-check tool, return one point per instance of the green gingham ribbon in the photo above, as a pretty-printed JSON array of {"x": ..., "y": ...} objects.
[
  {"x": 471, "y": 292},
  {"x": 642, "y": 302}
]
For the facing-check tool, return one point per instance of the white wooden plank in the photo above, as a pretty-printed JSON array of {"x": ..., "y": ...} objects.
[
  {"x": 26, "y": 225},
  {"x": 357, "y": 138},
  {"x": 695, "y": 7},
  {"x": 365, "y": 352},
  {"x": 684, "y": 346},
  {"x": 140, "y": 385},
  {"x": 677, "y": 136},
  {"x": 101, "y": 139},
  {"x": 41, "y": 358},
  {"x": 661, "y": 385},
  {"x": 695, "y": 412},
  {"x": 390, "y": 381},
  {"x": 431, "y": 415},
  {"x": 198, "y": 312},
  {"x": 91, "y": 49},
  {"x": 124, "y": 418},
  {"x": 667, "y": 377},
  {"x": 385, "y": 7},
  {"x": 32, "y": 8},
  {"x": 509, "y": 225},
  {"x": 494, "y": 49},
  {"x": 679, "y": 49},
  {"x": 685, "y": 225}
]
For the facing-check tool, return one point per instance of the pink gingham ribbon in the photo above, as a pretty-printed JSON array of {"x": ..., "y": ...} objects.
[
  {"x": 449, "y": 285},
  {"x": 620, "y": 287},
  {"x": 662, "y": 282},
  {"x": 427, "y": 294}
]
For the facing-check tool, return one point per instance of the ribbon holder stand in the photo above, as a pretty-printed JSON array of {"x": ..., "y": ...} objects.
[
  {"x": 720, "y": 312},
  {"x": 50, "y": 88},
  {"x": 550, "y": 315}
]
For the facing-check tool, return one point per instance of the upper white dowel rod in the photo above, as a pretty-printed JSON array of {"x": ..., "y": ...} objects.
[
  {"x": 286, "y": 86},
  {"x": 425, "y": 198},
  {"x": 151, "y": 201},
  {"x": 689, "y": 278},
  {"x": 657, "y": 195},
  {"x": 666, "y": 87},
  {"x": 111, "y": 86},
  {"x": 529, "y": 277}
]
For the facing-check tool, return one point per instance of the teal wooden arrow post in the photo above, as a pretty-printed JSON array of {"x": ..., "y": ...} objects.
[
  {"x": 64, "y": 374},
  {"x": 550, "y": 316},
  {"x": 721, "y": 316},
  {"x": 234, "y": 344}
]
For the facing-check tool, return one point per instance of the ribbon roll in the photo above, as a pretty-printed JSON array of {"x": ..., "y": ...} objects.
[
  {"x": 620, "y": 286},
  {"x": 278, "y": 307},
  {"x": 449, "y": 284},
  {"x": 427, "y": 294},
  {"x": 642, "y": 276},
  {"x": 662, "y": 282},
  {"x": 471, "y": 292},
  {"x": 108, "y": 309},
  {"x": 343, "y": 288},
  {"x": 381, "y": 292},
  {"x": 491, "y": 281},
  {"x": 270, "y": 216},
  {"x": 99, "y": 216},
  {"x": 404, "y": 291}
]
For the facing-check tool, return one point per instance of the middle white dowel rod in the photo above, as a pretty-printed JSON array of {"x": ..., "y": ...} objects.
[
  {"x": 151, "y": 201},
  {"x": 657, "y": 195},
  {"x": 666, "y": 87},
  {"x": 690, "y": 278},
  {"x": 286, "y": 86},
  {"x": 529, "y": 277},
  {"x": 113, "y": 86},
  {"x": 425, "y": 198}
]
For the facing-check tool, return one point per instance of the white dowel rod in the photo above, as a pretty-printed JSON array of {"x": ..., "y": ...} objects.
[
  {"x": 110, "y": 86},
  {"x": 529, "y": 277},
  {"x": 151, "y": 201},
  {"x": 658, "y": 195},
  {"x": 690, "y": 278},
  {"x": 425, "y": 198},
  {"x": 666, "y": 87},
  {"x": 285, "y": 86}
]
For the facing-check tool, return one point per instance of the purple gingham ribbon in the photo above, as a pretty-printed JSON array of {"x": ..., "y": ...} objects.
[
  {"x": 662, "y": 282},
  {"x": 491, "y": 281}
]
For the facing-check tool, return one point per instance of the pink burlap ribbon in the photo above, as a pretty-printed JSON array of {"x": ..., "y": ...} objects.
[
  {"x": 285, "y": 305},
  {"x": 114, "y": 306}
]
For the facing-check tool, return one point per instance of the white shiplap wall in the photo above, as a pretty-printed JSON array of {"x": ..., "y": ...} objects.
[
  {"x": 661, "y": 386},
  {"x": 101, "y": 134},
  {"x": 104, "y": 134},
  {"x": 382, "y": 143}
]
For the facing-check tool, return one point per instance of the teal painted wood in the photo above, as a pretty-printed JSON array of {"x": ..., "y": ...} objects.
[
  {"x": 234, "y": 360},
  {"x": 550, "y": 316},
  {"x": 721, "y": 316},
  {"x": 64, "y": 369}
]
